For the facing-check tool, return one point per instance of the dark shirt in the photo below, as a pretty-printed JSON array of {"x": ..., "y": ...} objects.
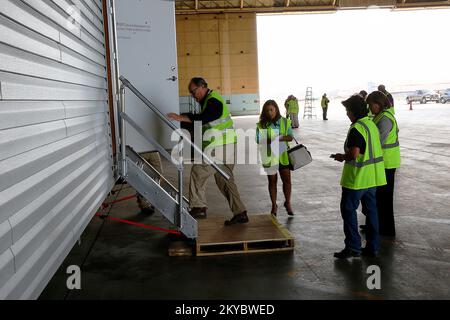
[
  {"x": 355, "y": 139},
  {"x": 213, "y": 111}
]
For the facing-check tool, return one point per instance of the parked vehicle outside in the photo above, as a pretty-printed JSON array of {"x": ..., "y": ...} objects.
[
  {"x": 445, "y": 96},
  {"x": 423, "y": 96}
]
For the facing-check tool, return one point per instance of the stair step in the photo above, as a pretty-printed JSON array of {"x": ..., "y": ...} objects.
[{"x": 159, "y": 192}]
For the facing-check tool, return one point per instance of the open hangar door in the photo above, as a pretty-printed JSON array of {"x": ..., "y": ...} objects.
[
  {"x": 56, "y": 150},
  {"x": 218, "y": 41}
]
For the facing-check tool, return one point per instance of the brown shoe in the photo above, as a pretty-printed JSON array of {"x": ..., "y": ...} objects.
[
  {"x": 238, "y": 219},
  {"x": 198, "y": 213}
]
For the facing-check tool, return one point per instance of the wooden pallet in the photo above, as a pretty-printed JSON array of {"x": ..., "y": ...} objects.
[
  {"x": 263, "y": 233},
  {"x": 180, "y": 248}
]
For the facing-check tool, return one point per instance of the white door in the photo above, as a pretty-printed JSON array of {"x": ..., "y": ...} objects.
[{"x": 148, "y": 58}]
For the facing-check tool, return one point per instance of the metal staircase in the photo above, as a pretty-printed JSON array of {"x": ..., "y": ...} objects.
[{"x": 147, "y": 180}]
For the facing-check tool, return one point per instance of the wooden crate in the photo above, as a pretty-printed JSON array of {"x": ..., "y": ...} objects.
[{"x": 263, "y": 233}]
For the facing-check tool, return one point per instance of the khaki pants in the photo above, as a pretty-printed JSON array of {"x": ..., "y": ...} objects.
[
  {"x": 201, "y": 172},
  {"x": 154, "y": 159}
]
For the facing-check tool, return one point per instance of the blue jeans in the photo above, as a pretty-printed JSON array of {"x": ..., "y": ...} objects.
[{"x": 349, "y": 203}]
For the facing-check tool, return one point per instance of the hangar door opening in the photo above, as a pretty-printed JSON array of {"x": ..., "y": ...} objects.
[
  {"x": 347, "y": 51},
  {"x": 222, "y": 49}
]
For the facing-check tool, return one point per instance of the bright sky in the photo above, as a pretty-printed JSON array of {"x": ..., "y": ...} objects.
[{"x": 346, "y": 50}]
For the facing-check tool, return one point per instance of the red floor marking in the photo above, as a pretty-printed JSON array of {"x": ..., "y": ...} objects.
[
  {"x": 140, "y": 225},
  {"x": 118, "y": 200}
]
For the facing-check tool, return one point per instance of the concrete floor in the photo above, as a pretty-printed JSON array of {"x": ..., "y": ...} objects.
[{"x": 119, "y": 261}]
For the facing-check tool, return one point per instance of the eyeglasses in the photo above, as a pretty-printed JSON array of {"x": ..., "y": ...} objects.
[{"x": 192, "y": 92}]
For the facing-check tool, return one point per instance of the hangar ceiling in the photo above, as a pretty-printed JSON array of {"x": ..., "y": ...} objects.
[{"x": 273, "y": 6}]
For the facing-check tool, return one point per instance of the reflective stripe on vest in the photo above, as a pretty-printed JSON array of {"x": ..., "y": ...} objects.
[
  {"x": 217, "y": 122},
  {"x": 371, "y": 159},
  {"x": 368, "y": 170}
]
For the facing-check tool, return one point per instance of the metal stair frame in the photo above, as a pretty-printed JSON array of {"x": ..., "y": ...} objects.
[{"x": 138, "y": 173}]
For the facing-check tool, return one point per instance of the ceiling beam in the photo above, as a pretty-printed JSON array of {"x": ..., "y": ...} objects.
[
  {"x": 260, "y": 10},
  {"x": 423, "y": 4},
  {"x": 196, "y": 4},
  {"x": 287, "y": 2}
]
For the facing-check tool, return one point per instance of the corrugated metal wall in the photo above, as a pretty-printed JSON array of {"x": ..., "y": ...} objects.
[{"x": 55, "y": 146}]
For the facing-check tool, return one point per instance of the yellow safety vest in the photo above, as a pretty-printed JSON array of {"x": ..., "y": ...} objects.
[
  {"x": 293, "y": 106},
  {"x": 391, "y": 147},
  {"x": 367, "y": 170},
  {"x": 220, "y": 131},
  {"x": 268, "y": 158}
]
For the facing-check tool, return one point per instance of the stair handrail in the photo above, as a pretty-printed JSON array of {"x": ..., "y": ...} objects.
[{"x": 151, "y": 106}]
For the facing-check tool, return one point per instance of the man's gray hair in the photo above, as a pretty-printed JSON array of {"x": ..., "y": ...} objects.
[{"x": 199, "y": 82}]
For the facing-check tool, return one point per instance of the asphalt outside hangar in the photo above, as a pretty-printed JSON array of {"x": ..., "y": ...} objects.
[{"x": 71, "y": 227}]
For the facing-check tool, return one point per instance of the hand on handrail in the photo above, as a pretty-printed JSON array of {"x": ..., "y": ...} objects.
[{"x": 178, "y": 117}]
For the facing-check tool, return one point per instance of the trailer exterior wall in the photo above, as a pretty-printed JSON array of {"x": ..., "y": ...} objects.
[{"x": 55, "y": 137}]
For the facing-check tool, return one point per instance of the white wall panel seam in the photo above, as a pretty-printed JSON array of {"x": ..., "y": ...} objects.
[
  {"x": 31, "y": 188},
  {"x": 60, "y": 40},
  {"x": 21, "y": 139},
  {"x": 33, "y": 43},
  {"x": 28, "y": 124},
  {"x": 54, "y": 15},
  {"x": 97, "y": 17},
  {"x": 31, "y": 5},
  {"x": 32, "y": 36},
  {"x": 24, "y": 15},
  {"x": 27, "y": 64},
  {"x": 14, "y": 257},
  {"x": 19, "y": 36},
  {"x": 90, "y": 170},
  {"x": 90, "y": 173},
  {"x": 38, "y": 159},
  {"x": 84, "y": 21},
  {"x": 90, "y": 213},
  {"x": 20, "y": 88},
  {"x": 95, "y": 9},
  {"x": 5, "y": 238}
]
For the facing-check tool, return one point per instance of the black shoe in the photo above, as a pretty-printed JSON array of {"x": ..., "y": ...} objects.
[
  {"x": 346, "y": 253},
  {"x": 288, "y": 212},
  {"x": 198, "y": 213},
  {"x": 274, "y": 213},
  {"x": 368, "y": 253},
  {"x": 237, "y": 219},
  {"x": 363, "y": 228}
]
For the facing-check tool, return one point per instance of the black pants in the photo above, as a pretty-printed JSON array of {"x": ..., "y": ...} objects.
[
  {"x": 324, "y": 113},
  {"x": 385, "y": 205}
]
